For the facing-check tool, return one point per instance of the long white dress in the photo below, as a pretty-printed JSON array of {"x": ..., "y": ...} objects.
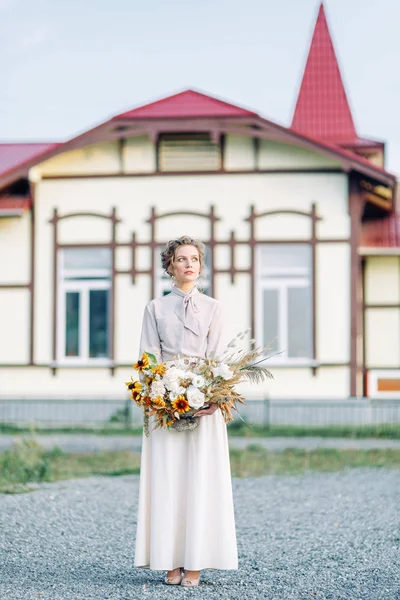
[{"x": 185, "y": 513}]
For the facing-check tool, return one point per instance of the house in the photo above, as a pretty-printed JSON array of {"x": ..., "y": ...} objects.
[{"x": 300, "y": 225}]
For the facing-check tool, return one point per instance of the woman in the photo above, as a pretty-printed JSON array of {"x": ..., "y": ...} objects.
[{"x": 185, "y": 515}]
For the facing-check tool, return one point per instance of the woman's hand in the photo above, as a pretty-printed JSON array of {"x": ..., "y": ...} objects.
[{"x": 207, "y": 411}]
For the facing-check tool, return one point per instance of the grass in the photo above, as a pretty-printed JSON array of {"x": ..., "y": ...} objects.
[
  {"x": 10, "y": 429},
  {"x": 239, "y": 429},
  {"x": 27, "y": 462},
  {"x": 235, "y": 429},
  {"x": 256, "y": 460}
]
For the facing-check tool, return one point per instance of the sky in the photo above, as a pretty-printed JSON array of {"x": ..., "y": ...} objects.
[{"x": 68, "y": 65}]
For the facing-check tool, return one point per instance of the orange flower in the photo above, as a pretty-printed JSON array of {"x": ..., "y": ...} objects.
[
  {"x": 158, "y": 401},
  {"x": 180, "y": 405},
  {"x": 142, "y": 364},
  {"x": 160, "y": 369},
  {"x": 148, "y": 402}
]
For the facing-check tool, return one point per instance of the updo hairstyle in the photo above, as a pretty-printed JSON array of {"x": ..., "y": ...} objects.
[{"x": 168, "y": 255}]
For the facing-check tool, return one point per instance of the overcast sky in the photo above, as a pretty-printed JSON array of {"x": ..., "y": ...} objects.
[{"x": 67, "y": 65}]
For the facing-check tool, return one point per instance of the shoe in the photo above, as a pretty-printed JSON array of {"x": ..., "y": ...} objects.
[
  {"x": 174, "y": 579},
  {"x": 190, "y": 582}
]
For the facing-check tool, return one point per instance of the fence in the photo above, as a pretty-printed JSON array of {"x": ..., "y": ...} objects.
[{"x": 121, "y": 413}]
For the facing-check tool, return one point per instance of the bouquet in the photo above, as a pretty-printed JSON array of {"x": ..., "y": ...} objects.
[{"x": 173, "y": 391}]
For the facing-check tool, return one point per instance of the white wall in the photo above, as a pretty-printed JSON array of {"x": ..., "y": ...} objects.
[
  {"x": 15, "y": 240},
  {"x": 14, "y": 326},
  {"x": 333, "y": 302},
  {"x": 232, "y": 196},
  {"x": 382, "y": 325},
  {"x": 382, "y": 280}
]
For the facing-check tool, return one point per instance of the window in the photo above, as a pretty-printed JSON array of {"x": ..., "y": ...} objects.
[
  {"x": 188, "y": 152},
  {"x": 84, "y": 305},
  {"x": 284, "y": 307},
  {"x": 164, "y": 282}
]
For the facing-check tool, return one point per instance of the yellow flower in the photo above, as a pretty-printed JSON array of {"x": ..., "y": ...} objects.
[
  {"x": 142, "y": 364},
  {"x": 180, "y": 405},
  {"x": 134, "y": 386},
  {"x": 160, "y": 369}
]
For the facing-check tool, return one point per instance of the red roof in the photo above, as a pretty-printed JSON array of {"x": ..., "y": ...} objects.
[
  {"x": 13, "y": 204},
  {"x": 322, "y": 109},
  {"x": 14, "y": 154},
  {"x": 197, "y": 105},
  {"x": 382, "y": 233},
  {"x": 187, "y": 104}
]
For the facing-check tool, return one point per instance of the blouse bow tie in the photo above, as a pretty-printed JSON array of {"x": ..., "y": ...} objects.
[{"x": 186, "y": 309}]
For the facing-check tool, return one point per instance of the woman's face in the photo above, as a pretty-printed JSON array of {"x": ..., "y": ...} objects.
[{"x": 186, "y": 265}]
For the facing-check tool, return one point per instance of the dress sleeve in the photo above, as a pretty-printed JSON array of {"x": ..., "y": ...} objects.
[
  {"x": 214, "y": 337},
  {"x": 149, "y": 339}
]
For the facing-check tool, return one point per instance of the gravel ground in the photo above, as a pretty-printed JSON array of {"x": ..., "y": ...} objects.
[
  {"x": 92, "y": 443},
  {"x": 317, "y": 536}
]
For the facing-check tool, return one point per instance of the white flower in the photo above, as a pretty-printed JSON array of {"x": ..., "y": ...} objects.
[
  {"x": 157, "y": 389},
  {"x": 194, "y": 396},
  {"x": 182, "y": 363},
  {"x": 198, "y": 380},
  {"x": 171, "y": 378},
  {"x": 177, "y": 391},
  {"x": 223, "y": 371}
]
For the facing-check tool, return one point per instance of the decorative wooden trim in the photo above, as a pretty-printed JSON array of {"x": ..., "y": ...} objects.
[
  {"x": 112, "y": 295},
  {"x": 57, "y": 246},
  {"x": 216, "y": 242},
  {"x": 121, "y": 151},
  {"x": 314, "y": 220},
  {"x": 32, "y": 276},
  {"x": 113, "y": 218},
  {"x": 302, "y": 213},
  {"x": 129, "y": 365},
  {"x": 152, "y": 221},
  {"x": 222, "y": 145},
  {"x": 364, "y": 339},
  {"x": 232, "y": 270},
  {"x": 15, "y": 286},
  {"x": 256, "y": 146},
  {"x": 54, "y": 222},
  {"x": 212, "y": 243},
  {"x": 158, "y": 173},
  {"x": 355, "y": 211},
  {"x": 380, "y": 306},
  {"x": 154, "y": 242},
  {"x": 313, "y": 241},
  {"x": 252, "y": 242}
]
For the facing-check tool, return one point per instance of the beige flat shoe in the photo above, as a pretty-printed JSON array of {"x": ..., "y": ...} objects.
[
  {"x": 190, "y": 582},
  {"x": 174, "y": 579}
]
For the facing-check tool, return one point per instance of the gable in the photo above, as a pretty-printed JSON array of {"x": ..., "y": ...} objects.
[
  {"x": 138, "y": 155},
  {"x": 276, "y": 155},
  {"x": 100, "y": 158}
]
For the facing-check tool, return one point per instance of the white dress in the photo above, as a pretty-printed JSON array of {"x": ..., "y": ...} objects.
[{"x": 185, "y": 513}]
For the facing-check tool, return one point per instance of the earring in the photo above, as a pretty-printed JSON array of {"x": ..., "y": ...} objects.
[{"x": 200, "y": 284}]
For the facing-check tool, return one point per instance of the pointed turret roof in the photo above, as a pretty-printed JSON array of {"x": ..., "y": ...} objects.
[{"x": 322, "y": 110}]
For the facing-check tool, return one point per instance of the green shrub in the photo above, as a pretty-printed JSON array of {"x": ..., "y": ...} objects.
[{"x": 26, "y": 461}]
